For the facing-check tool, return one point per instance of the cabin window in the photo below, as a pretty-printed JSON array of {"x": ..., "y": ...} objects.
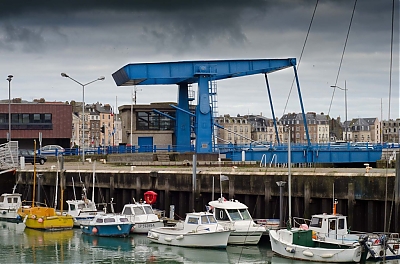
[
  {"x": 316, "y": 222},
  {"x": 72, "y": 207},
  {"x": 211, "y": 219},
  {"x": 341, "y": 224},
  {"x": 109, "y": 220},
  {"x": 234, "y": 214},
  {"x": 99, "y": 220},
  {"x": 148, "y": 209},
  {"x": 193, "y": 220},
  {"x": 124, "y": 220},
  {"x": 1, "y": 199},
  {"x": 15, "y": 200},
  {"x": 332, "y": 225},
  {"x": 138, "y": 211},
  {"x": 9, "y": 200},
  {"x": 127, "y": 211},
  {"x": 204, "y": 219},
  {"x": 245, "y": 214}
]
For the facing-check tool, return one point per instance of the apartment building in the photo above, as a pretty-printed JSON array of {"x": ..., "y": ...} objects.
[
  {"x": 237, "y": 130},
  {"x": 391, "y": 130}
]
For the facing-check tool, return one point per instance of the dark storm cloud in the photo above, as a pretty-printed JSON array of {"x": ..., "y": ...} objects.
[{"x": 30, "y": 40}]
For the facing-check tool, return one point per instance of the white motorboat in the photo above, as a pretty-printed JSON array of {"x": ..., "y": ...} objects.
[
  {"x": 143, "y": 216},
  {"x": 9, "y": 205},
  {"x": 198, "y": 230},
  {"x": 82, "y": 210},
  {"x": 302, "y": 243},
  {"x": 296, "y": 243},
  {"x": 235, "y": 215}
]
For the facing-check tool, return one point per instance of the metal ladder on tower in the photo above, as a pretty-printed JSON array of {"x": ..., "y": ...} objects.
[{"x": 212, "y": 88}]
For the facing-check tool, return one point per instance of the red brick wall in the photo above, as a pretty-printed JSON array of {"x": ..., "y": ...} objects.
[{"x": 61, "y": 119}]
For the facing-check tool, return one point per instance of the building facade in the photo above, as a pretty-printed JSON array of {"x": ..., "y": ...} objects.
[{"x": 52, "y": 119}]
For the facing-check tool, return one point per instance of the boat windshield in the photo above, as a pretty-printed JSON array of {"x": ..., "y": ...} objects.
[
  {"x": 234, "y": 214},
  {"x": 245, "y": 214},
  {"x": 148, "y": 209},
  {"x": 208, "y": 219},
  {"x": 138, "y": 211}
]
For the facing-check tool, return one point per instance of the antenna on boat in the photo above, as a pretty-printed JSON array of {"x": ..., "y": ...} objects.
[
  {"x": 73, "y": 187},
  {"x": 112, "y": 205}
]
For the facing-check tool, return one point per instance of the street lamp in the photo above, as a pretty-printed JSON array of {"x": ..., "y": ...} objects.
[
  {"x": 345, "y": 104},
  {"x": 9, "y": 106},
  {"x": 101, "y": 78}
]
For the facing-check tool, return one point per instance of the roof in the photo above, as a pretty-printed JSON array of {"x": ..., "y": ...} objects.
[{"x": 227, "y": 204}]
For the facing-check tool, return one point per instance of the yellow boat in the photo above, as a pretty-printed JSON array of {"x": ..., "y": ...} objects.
[{"x": 43, "y": 217}]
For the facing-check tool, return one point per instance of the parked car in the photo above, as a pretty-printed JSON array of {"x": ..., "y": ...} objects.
[
  {"x": 51, "y": 150},
  {"x": 29, "y": 156}
]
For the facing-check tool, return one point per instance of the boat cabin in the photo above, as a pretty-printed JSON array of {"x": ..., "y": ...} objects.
[
  {"x": 10, "y": 201},
  {"x": 81, "y": 205},
  {"x": 202, "y": 218},
  {"x": 231, "y": 210},
  {"x": 329, "y": 225},
  {"x": 137, "y": 209}
]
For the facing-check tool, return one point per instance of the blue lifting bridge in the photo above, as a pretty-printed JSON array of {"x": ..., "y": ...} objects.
[{"x": 201, "y": 122}]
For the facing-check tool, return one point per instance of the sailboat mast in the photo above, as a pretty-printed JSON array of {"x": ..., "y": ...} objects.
[
  {"x": 55, "y": 198},
  {"x": 34, "y": 172},
  {"x": 290, "y": 179},
  {"x": 94, "y": 174}
]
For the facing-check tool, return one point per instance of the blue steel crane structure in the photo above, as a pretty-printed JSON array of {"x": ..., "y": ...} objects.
[{"x": 184, "y": 73}]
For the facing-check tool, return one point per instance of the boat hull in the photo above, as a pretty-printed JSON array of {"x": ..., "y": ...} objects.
[
  {"x": 112, "y": 230},
  {"x": 317, "y": 254},
  {"x": 45, "y": 218},
  {"x": 145, "y": 227},
  {"x": 244, "y": 238},
  {"x": 52, "y": 223},
  {"x": 10, "y": 215},
  {"x": 174, "y": 237},
  {"x": 78, "y": 220}
]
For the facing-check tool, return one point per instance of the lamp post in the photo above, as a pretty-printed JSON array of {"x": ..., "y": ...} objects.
[
  {"x": 101, "y": 78},
  {"x": 345, "y": 104},
  {"x": 9, "y": 106}
]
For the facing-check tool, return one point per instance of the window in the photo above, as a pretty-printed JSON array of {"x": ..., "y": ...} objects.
[
  {"x": 193, "y": 220},
  {"x": 316, "y": 222},
  {"x": 234, "y": 214},
  {"x": 127, "y": 211}
]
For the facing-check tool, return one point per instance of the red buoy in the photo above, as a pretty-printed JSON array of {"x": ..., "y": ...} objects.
[{"x": 150, "y": 197}]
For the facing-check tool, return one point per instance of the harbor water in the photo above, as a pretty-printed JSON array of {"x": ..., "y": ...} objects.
[{"x": 23, "y": 245}]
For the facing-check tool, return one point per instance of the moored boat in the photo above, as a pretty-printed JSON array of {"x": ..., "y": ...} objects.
[
  {"x": 110, "y": 225},
  {"x": 43, "y": 217},
  {"x": 198, "y": 230},
  {"x": 143, "y": 216},
  {"x": 235, "y": 215},
  {"x": 9, "y": 205}
]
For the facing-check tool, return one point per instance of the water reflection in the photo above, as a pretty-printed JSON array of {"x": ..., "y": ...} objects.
[{"x": 21, "y": 245}]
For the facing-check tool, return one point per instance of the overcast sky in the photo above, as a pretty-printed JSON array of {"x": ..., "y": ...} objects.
[{"x": 88, "y": 39}]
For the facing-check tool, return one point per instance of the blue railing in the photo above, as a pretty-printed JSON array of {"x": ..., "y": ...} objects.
[{"x": 224, "y": 148}]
